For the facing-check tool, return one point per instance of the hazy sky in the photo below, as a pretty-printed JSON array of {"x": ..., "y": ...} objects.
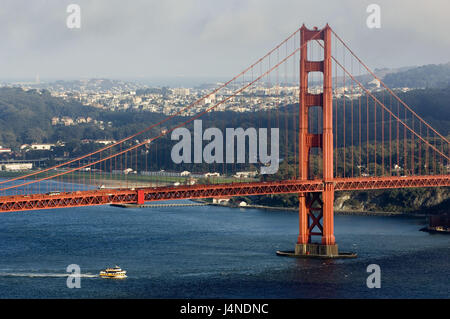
[{"x": 188, "y": 38}]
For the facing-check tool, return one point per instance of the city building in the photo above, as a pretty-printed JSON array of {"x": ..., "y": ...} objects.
[
  {"x": 5, "y": 150},
  {"x": 221, "y": 201},
  {"x": 16, "y": 166},
  {"x": 215, "y": 174},
  {"x": 246, "y": 174},
  {"x": 42, "y": 147}
]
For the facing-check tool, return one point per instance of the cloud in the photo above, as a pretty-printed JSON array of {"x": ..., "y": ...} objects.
[{"x": 201, "y": 37}]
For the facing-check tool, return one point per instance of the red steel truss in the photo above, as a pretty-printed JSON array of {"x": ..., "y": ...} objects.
[
  {"x": 118, "y": 196},
  {"x": 322, "y": 216}
]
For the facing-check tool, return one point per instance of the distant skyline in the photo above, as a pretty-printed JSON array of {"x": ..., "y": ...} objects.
[{"x": 188, "y": 39}]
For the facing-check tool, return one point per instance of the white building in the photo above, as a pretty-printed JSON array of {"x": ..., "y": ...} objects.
[
  {"x": 5, "y": 150},
  {"x": 221, "y": 201},
  {"x": 180, "y": 91},
  {"x": 105, "y": 142},
  {"x": 129, "y": 171},
  {"x": 246, "y": 174},
  {"x": 42, "y": 147},
  {"x": 16, "y": 166},
  {"x": 215, "y": 174}
]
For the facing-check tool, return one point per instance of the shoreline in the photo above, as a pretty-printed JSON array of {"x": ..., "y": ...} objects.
[{"x": 337, "y": 212}]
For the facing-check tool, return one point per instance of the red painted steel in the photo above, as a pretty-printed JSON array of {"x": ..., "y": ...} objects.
[
  {"x": 118, "y": 196},
  {"x": 388, "y": 89},
  {"x": 308, "y": 213},
  {"x": 140, "y": 197}
]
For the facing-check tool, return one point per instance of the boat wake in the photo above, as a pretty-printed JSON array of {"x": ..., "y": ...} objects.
[{"x": 44, "y": 275}]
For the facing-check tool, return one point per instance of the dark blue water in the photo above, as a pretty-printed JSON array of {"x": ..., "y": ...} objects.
[{"x": 212, "y": 252}]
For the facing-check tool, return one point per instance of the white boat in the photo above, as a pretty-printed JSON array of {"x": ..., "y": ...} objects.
[{"x": 116, "y": 272}]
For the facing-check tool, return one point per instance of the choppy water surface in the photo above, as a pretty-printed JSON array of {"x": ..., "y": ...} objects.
[{"x": 212, "y": 252}]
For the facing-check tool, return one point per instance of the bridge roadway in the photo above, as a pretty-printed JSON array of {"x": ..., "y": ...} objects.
[{"x": 139, "y": 195}]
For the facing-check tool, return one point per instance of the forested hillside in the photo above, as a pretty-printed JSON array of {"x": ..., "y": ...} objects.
[
  {"x": 25, "y": 117},
  {"x": 427, "y": 76}
]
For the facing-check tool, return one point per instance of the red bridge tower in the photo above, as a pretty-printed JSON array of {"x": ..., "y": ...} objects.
[{"x": 315, "y": 211}]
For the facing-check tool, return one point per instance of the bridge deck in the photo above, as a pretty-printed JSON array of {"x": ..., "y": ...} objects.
[{"x": 119, "y": 196}]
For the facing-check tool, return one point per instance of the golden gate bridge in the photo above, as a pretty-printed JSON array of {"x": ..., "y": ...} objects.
[{"x": 346, "y": 137}]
